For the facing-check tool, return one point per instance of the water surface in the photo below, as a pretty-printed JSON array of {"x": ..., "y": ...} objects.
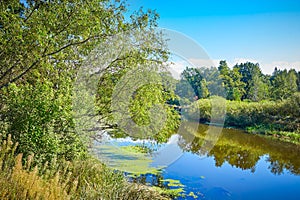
[{"x": 238, "y": 166}]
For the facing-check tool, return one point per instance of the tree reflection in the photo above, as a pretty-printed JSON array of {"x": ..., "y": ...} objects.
[{"x": 243, "y": 150}]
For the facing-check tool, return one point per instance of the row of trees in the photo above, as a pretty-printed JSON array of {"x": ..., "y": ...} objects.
[{"x": 244, "y": 81}]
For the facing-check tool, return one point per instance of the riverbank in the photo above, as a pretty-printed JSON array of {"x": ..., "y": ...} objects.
[
  {"x": 279, "y": 119},
  {"x": 58, "y": 179}
]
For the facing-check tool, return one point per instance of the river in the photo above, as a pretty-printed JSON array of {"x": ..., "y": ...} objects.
[{"x": 237, "y": 166}]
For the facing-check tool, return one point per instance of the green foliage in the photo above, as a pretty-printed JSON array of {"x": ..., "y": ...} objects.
[
  {"x": 292, "y": 105},
  {"x": 43, "y": 45},
  {"x": 144, "y": 99},
  {"x": 231, "y": 81},
  {"x": 185, "y": 91},
  {"x": 56, "y": 32},
  {"x": 255, "y": 85},
  {"x": 214, "y": 81},
  {"x": 147, "y": 104},
  {"x": 23, "y": 182},
  {"x": 196, "y": 81},
  {"x": 244, "y": 81},
  {"x": 204, "y": 105},
  {"x": 284, "y": 84},
  {"x": 141, "y": 106},
  {"x": 40, "y": 120},
  {"x": 268, "y": 117}
]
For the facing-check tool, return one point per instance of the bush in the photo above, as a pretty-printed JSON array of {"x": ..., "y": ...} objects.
[
  {"x": 204, "y": 105},
  {"x": 264, "y": 116},
  {"x": 39, "y": 118},
  {"x": 214, "y": 107}
]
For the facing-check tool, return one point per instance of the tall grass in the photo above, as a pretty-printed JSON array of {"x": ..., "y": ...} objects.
[{"x": 81, "y": 179}]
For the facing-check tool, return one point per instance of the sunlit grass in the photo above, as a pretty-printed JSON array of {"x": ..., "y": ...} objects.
[{"x": 81, "y": 179}]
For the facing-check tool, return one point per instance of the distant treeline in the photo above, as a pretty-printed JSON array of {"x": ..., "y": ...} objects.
[
  {"x": 256, "y": 102},
  {"x": 244, "y": 81}
]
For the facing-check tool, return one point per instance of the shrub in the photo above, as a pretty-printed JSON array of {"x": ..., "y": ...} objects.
[
  {"x": 271, "y": 115},
  {"x": 39, "y": 118}
]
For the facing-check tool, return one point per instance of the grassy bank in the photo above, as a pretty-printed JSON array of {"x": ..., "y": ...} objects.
[
  {"x": 280, "y": 119},
  {"x": 81, "y": 179}
]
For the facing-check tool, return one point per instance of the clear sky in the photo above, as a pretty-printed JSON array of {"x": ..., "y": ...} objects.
[{"x": 264, "y": 31}]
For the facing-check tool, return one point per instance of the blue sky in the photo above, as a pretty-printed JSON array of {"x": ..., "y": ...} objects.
[{"x": 262, "y": 31}]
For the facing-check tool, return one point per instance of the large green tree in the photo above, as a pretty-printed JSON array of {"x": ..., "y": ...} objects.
[
  {"x": 231, "y": 81},
  {"x": 42, "y": 46},
  {"x": 196, "y": 81},
  {"x": 256, "y": 88},
  {"x": 214, "y": 81},
  {"x": 284, "y": 83}
]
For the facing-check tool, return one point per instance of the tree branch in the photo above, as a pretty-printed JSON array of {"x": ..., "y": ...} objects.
[
  {"x": 7, "y": 71},
  {"x": 20, "y": 75},
  {"x": 30, "y": 14},
  {"x": 68, "y": 45}
]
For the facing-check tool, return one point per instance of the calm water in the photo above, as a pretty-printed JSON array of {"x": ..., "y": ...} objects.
[{"x": 238, "y": 166}]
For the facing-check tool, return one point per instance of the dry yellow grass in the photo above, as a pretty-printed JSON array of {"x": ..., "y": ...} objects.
[
  {"x": 82, "y": 179},
  {"x": 19, "y": 182}
]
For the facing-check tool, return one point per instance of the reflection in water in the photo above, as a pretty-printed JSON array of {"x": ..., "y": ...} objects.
[
  {"x": 238, "y": 166},
  {"x": 244, "y": 150}
]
